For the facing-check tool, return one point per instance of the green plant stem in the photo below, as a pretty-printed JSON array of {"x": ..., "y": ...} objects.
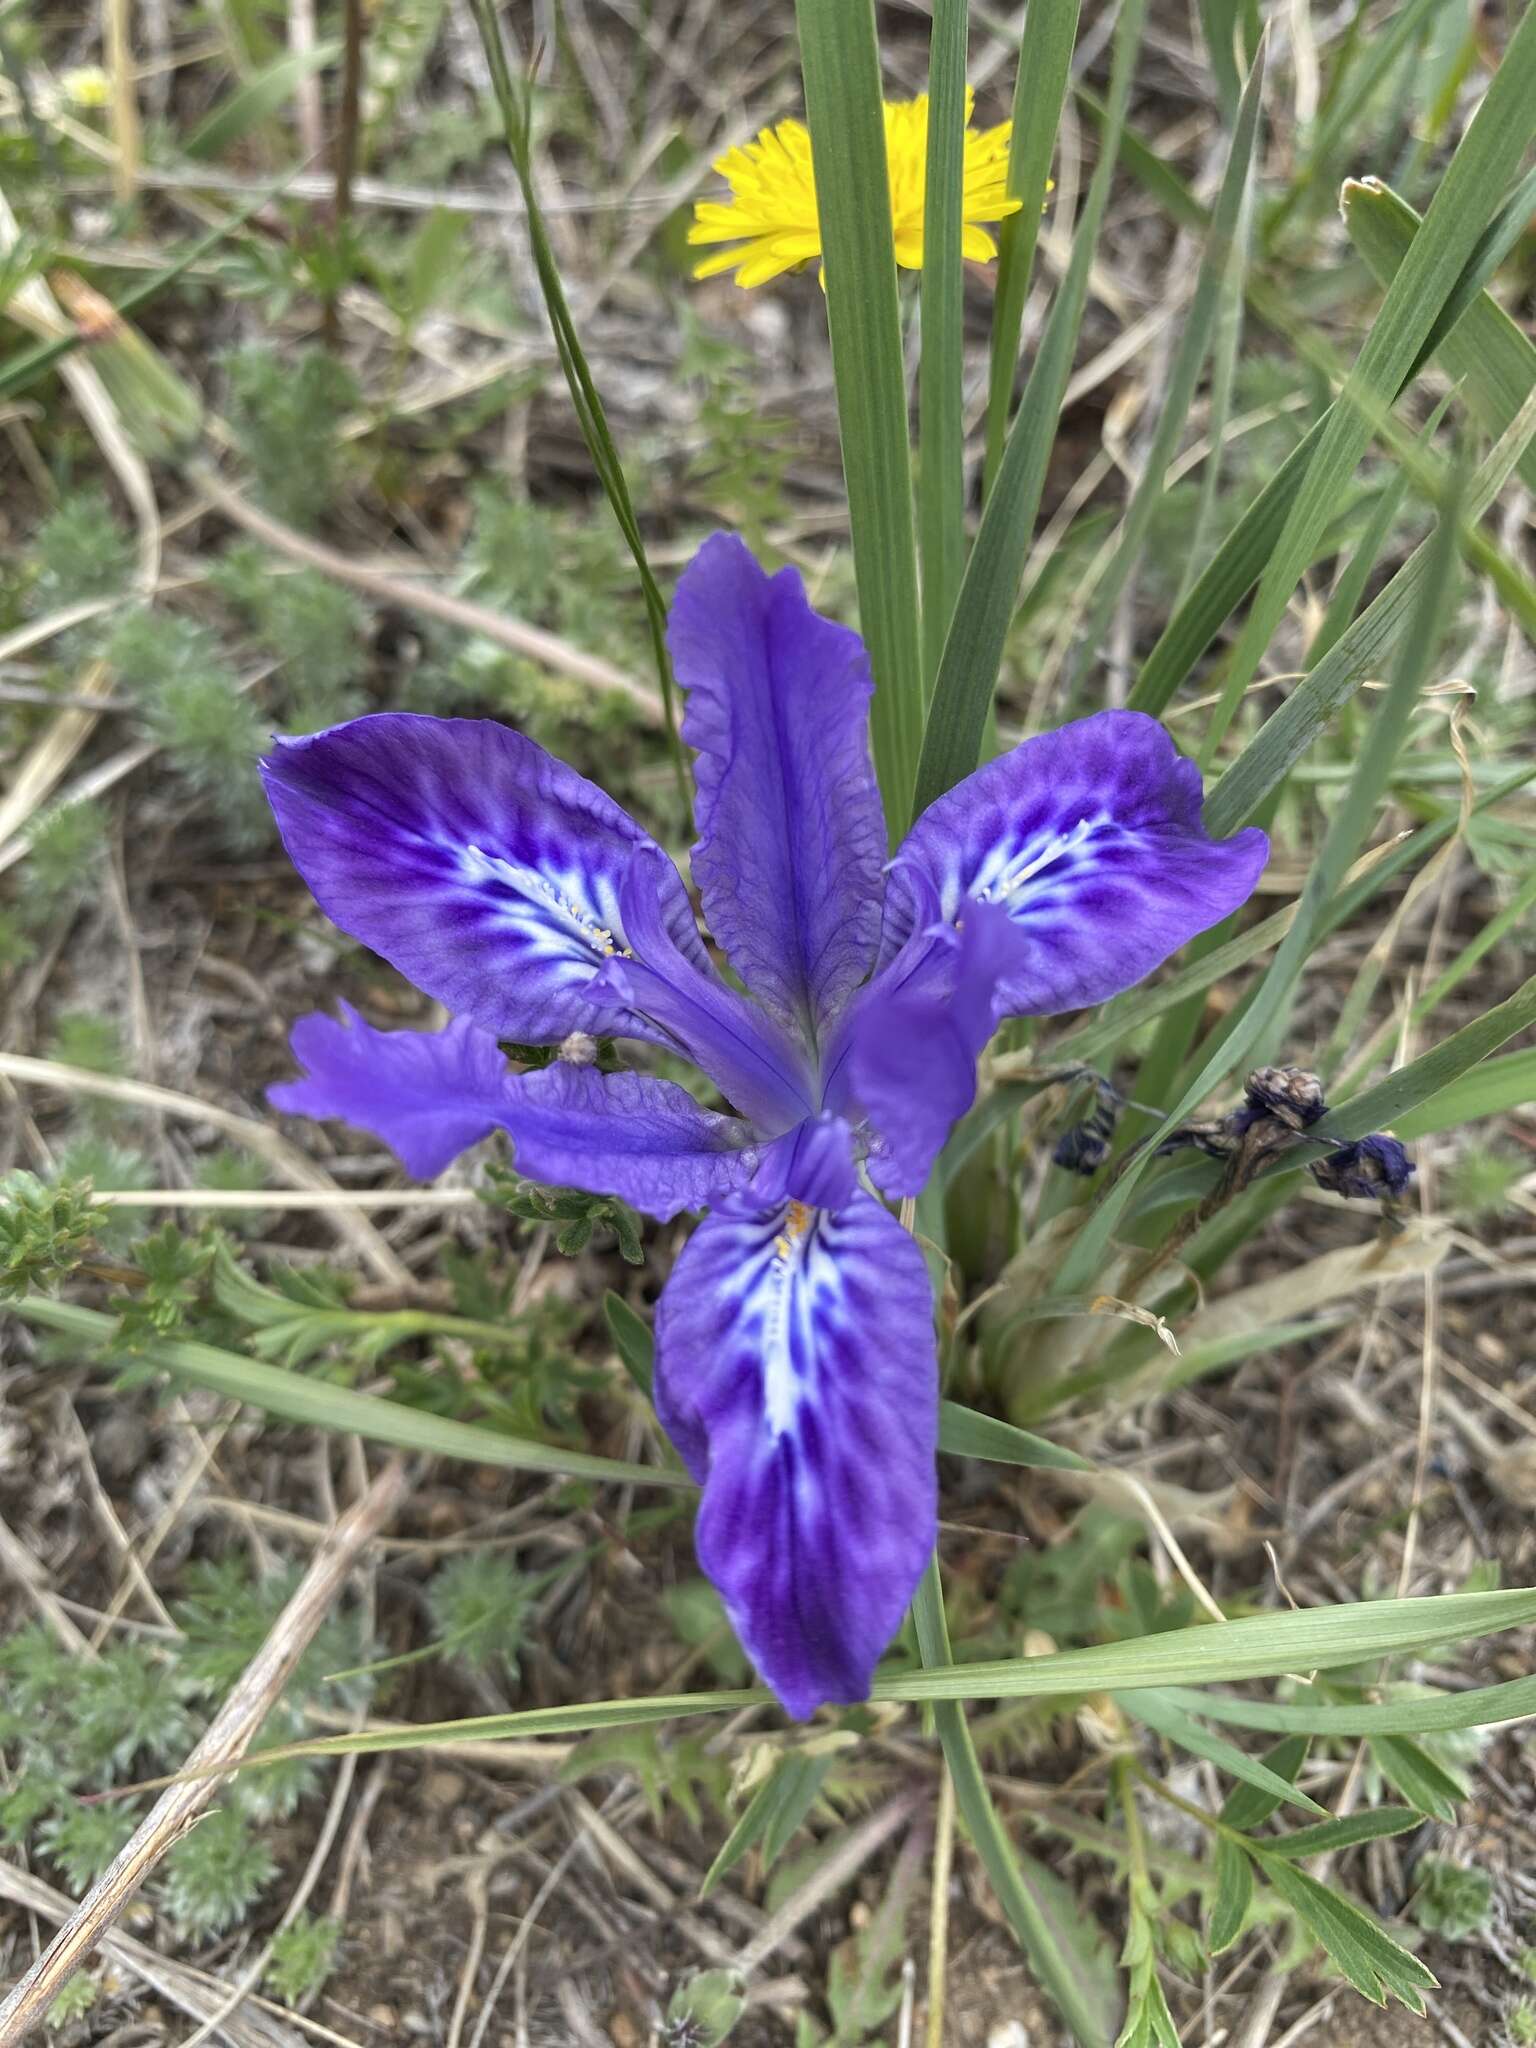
[
  {"x": 941, "y": 388},
  {"x": 515, "y": 103},
  {"x": 1039, "y": 93}
]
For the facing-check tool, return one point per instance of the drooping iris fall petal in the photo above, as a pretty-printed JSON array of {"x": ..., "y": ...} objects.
[
  {"x": 488, "y": 872},
  {"x": 797, "y": 1374},
  {"x": 1090, "y": 838}
]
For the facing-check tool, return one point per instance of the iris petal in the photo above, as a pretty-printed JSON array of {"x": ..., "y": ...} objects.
[
  {"x": 913, "y": 1044},
  {"x": 796, "y": 1373},
  {"x": 753, "y": 1060},
  {"x": 791, "y": 832},
  {"x": 488, "y": 872},
  {"x": 431, "y": 1094},
  {"x": 1090, "y": 838}
]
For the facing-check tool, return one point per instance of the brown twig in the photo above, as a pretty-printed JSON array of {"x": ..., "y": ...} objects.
[
  {"x": 227, "y": 1739},
  {"x": 396, "y": 585},
  {"x": 258, "y": 1137}
]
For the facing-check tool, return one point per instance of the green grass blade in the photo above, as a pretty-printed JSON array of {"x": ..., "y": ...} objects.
[
  {"x": 1173, "y": 1661},
  {"x": 1487, "y": 354},
  {"x": 1423, "y": 1079},
  {"x": 1287, "y": 734},
  {"x": 584, "y": 1718},
  {"x": 1503, "y": 234},
  {"x": 1429, "y": 1714},
  {"x": 1498, "y": 927},
  {"x": 632, "y": 1339},
  {"x": 841, "y": 61},
  {"x": 1346, "y": 832},
  {"x": 941, "y": 371},
  {"x": 297, "y": 1398},
  {"x": 1344, "y": 109},
  {"x": 258, "y": 99},
  {"x": 1168, "y": 1719},
  {"x": 1221, "y": 587},
  {"x": 1488, "y": 156},
  {"x": 1488, "y": 1089},
  {"x": 1499, "y": 365},
  {"x": 1039, "y": 92},
  {"x": 1258, "y": 1646},
  {"x": 966, "y": 1433},
  {"x": 1189, "y": 357},
  {"x": 1089, "y": 2006},
  {"x": 1350, "y": 588},
  {"x": 1226, "y": 24},
  {"x": 514, "y": 101},
  {"x": 973, "y": 651},
  {"x": 1230, "y": 309}
]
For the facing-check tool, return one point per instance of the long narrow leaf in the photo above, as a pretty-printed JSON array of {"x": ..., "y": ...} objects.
[
  {"x": 965, "y": 1433},
  {"x": 1488, "y": 156},
  {"x": 1425, "y": 1078},
  {"x": 1284, "y": 737},
  {"x": 941, "y": 374},
  {"x": 1346, "y": 831},
  {"x": 1493, "y": 362},
  {"x": 1189, "y": 356},
  {"x": 1430, "y": 1714},
  {"x": 1039, "y": 92},
  {"x": 1170, "y": 1721},
  {"x": 843, "y": 111},
  {"x": 297, "y": 1398},
  {"x": 1488, "y": 1089},
  {"x": 1258, "y": 1646},
  {"x": 1495, "y": 367},
  {"x": 973, "y": 651},
  {"x": 515, "y": 103},
  {"x": 1078, "y": 1995}
]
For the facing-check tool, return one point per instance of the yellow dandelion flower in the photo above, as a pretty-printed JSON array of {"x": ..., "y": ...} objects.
[
  {"x": 771, "y": 213},
  {"x": 86, "y": 86}
]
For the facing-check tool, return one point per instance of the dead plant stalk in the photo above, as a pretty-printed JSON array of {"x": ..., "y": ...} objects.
[{"x": 228, "y": 1737}]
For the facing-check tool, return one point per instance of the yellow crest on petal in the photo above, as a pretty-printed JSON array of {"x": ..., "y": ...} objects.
[{"x": 770, "y": 217}]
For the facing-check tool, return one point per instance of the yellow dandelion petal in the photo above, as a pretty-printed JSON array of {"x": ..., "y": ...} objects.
[{"x": 771, "y": 215}]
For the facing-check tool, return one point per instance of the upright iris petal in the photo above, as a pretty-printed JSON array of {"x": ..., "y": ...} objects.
[
  {"x": 485, "y": 870},
  {"x": 796, "y": 1372},
  {"x": 913, "y": 1047},
  {"x": 1090, "y": 839},
  {"x": 791, "y": 831}
]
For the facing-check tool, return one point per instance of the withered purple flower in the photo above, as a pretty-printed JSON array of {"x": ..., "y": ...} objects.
[
  {"x": 1373, "y": 1169},
  {"x": 796, "y": 1367}
]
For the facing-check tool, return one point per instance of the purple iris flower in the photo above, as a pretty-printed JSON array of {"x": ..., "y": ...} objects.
[{"x": 796, "y": 1367}]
